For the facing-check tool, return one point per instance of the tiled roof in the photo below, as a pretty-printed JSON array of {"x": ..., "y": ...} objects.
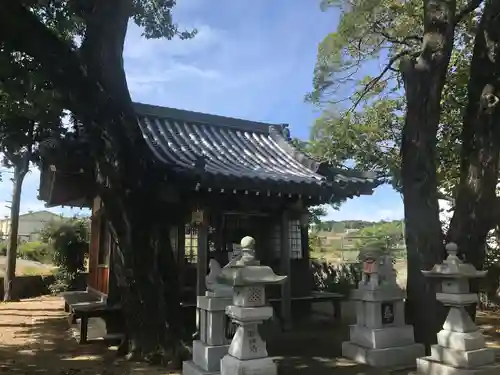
[{"x": 227, "y": 149}]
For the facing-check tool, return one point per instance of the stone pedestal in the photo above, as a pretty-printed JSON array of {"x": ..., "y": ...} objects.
[
  {"x": 380, "y": 336},
  {"x": 215, "y": 336},
  {"x": 460, "y": 349},
  {"x": 247, "y": 353},
  {"x": 461, "y": 346}
]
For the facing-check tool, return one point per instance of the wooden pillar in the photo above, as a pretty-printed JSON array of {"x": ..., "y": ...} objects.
[
  {"x": 202, "y": 256},
  {"x": 113, "y": 291},
  {"x": 286, "y": 295},
  {"x": 181, "y": 254}
]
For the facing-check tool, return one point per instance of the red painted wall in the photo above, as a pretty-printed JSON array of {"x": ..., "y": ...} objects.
[{"x": 98, "y": 277}]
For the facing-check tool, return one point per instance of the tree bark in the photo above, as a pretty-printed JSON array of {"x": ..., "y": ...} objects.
[
  {"x": 153, "y": 285},
  {"x": 424, "y": 78},
  {"x": 474, "y": 214},
  {"x": 93, "y": 86},
  {"x": 21, "y": 167}
]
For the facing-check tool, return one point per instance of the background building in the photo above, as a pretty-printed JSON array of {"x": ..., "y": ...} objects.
[{"x": 30, "y": 225}]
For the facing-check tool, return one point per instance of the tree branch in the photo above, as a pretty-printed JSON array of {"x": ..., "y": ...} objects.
[
  {"x": 379, "y": 29},
  {"x": 469, "y": 8},
  {"x": 370, "y": 85},
  {"x": 20, "y": 30}
]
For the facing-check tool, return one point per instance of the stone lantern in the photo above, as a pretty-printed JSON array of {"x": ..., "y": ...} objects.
[
  {"x": 461, "y": 346},
  {"x": 380, "y": 336},
  {"x": 247, "y": 353},
  {"x": 213, "y": 342}
]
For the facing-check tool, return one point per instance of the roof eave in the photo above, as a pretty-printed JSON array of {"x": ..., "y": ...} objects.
[{"x": 276, "y": 133}]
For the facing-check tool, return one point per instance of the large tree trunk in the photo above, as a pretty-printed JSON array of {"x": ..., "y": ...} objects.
[
  {"x": 474, "y": 214},
  {"x": 94, "y": 87},
  {"x": 424, "y": 78},
  {"x": 20, "y": 170},
  {"x": 145, "y": 266}
]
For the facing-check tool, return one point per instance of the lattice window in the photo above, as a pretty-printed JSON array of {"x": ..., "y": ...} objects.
[
  {"x": 191, "y": 244},
  {"x": 295, "y": 240},
  {"x": 295, "y": 236},
  {"x": 235, "y": 228}
]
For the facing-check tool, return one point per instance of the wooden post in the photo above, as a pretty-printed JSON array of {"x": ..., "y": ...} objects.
[
  {"x": 202, "y": 256},
  {"x": 286, "y": 295},
  {"x": 181, "y": 253}
]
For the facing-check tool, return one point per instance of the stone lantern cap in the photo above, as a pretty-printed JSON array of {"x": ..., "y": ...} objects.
[
  {"x": 453, "y": 268},
  {"x": 246, "y": 270}
]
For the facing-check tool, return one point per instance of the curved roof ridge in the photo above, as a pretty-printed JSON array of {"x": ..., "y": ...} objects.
[
  {"x": 200, "y": 118},
  {"x": 277, "y": 134}
]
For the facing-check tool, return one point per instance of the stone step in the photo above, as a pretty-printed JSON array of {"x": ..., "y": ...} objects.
[
  {"x": 461, "y": 358},
  {"x": 427, "y": 366},
  {"x": 461, "y": 340},
  {"x": 388, "y": 357},
  {"x": 381, "y": 338}
]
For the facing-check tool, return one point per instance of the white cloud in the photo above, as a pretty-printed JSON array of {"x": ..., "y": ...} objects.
[
  {"x": 136, "y": 47},
  {"x": 150, "y": 81}
]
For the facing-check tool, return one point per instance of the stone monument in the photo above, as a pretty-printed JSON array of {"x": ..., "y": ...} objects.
[
  {"x": 247, "y": 353},
  {"x": 213, "y": 341},
  {"x": 380, "y": 336},
  {"x": 461, "y": 346}
]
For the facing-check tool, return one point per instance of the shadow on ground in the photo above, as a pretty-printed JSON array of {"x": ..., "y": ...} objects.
[
  {"x": 34, "y": 339},
  {"x": 38, "y": 341},
  {"x": 314, "y": 348},
  {"x": 44, "y": 347},
  {"x": 489, "y": 323}
]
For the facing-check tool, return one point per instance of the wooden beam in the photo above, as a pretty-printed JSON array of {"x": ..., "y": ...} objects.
[{"x": 286, "y": 295}]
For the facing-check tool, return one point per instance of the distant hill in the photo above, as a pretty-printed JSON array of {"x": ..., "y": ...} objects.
[{"x": 344, "y": 225}]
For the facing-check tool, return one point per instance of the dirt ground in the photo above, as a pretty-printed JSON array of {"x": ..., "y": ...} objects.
[{"x": 35, "y": 339}]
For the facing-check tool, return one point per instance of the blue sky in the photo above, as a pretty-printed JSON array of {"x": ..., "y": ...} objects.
[{"x": 251, "y": 59}]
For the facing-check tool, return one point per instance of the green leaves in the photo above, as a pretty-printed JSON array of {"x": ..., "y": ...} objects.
[
  {"x": 369, "y": 139},
  {"x": 366, "y": 31},
  {"x": 368, "y": 136},
  {"x": 28, "y": 111},
  {"x": 30, "y": 108},
  {"x": 155, "y": 17},
  {"x": 386, "y": 236}
]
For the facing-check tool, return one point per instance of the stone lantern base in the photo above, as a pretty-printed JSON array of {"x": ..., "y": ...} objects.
[
  {"x": 261, "y": 366},
  {"x": 380, "y": 337},
  {"x": 385, "y": 357},
  {"x": 213, "y": 343},
  {"x": 428, "y": 365},
  {"x": 460, "y": 349}
]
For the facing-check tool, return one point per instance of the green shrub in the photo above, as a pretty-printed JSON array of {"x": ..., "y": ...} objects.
[
  {"x": 36, "y": 251},
  {"x": 69, "y": 238},
  {"x": 337, "y": 278}
]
